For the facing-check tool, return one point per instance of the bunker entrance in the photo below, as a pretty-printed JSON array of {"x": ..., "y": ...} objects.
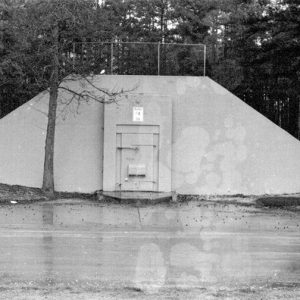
[
  {"x": 137, "y": 147},
  {"x": 137, "y": 151}
]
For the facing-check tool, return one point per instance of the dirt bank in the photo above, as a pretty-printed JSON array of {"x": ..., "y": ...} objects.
[{"x": 24, "y": 194}]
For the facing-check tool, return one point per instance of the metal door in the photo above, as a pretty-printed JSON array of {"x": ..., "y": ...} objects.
[{"x": 137, "y": 161}]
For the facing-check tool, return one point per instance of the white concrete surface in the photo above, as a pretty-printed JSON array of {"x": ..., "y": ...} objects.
[{"x": 220, "y": 145}]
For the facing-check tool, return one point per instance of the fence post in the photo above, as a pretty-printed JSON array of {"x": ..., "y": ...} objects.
[
  {"x": 158, "y": 58},
  {"x": 111, "y": 57},
  {"x": 204, "y": 65}
]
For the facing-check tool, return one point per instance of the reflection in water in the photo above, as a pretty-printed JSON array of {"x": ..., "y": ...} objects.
[
  {"x": 186, "y": 264},
  {"x": 150, "y": 268},
  {"x": 47, "y": 211},
  {"x": 149, "y": 248}
]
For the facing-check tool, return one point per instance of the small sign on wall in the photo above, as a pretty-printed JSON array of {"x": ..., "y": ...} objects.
[{"x": 138, "y": 114}]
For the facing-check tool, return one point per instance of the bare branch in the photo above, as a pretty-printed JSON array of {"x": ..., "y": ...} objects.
[
  {"x": 87, "y": 95},
  {"x": 106, "y": 91}
]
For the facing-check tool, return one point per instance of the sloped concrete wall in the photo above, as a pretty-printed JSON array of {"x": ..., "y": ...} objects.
[
  {"x": 78, "y": 144},
  {"x": 223, "y": 146},
  {"x": 220, "y": 145},
  {"x": 22, "y": 141}
]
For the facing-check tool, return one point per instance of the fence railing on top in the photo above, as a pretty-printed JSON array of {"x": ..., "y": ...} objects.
[{"x": 140, "y": 58}]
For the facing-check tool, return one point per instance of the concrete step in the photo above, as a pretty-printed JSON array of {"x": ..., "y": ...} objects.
[{"x": 133, "y": 196}]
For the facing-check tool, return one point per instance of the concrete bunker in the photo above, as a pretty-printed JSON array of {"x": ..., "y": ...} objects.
[{"x": 178, "y": 134}]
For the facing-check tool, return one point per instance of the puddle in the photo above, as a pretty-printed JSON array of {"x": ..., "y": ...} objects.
[{"x": 78, "y": 243}]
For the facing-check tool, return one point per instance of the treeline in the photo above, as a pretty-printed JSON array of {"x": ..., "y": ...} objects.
[{"x": 253, "y": 46}]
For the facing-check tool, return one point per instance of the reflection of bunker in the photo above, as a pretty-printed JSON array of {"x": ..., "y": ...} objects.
[
  {"x": 183, "y": 134},
  {"x": 81, "y": 244}
]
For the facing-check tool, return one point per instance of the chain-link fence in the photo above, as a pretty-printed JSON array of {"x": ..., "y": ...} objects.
[{"x": 140, "y": 58}]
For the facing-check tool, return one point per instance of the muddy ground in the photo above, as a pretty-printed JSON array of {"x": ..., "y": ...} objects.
[{"x": 23, "y": 194}]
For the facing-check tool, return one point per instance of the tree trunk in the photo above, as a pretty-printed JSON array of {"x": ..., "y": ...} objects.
[
  {"x": 298, "y": 118},
  {"x": 48, "y": 176}
]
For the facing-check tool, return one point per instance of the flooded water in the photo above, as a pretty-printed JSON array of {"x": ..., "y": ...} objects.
[{"x": 74, "y": 249}]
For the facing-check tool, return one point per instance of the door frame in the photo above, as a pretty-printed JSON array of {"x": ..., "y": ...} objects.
[
  {"x": 137, "y": 129},
  {"x": 157, "y": 111}
]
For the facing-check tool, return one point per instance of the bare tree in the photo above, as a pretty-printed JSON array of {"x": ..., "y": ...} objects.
[{"x": 48, "y": 30}]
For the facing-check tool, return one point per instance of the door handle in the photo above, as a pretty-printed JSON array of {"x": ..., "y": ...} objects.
[{"x": 129, "y": 148}]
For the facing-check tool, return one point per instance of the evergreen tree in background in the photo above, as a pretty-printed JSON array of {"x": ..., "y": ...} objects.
[{"x": 253, "y": 48}]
